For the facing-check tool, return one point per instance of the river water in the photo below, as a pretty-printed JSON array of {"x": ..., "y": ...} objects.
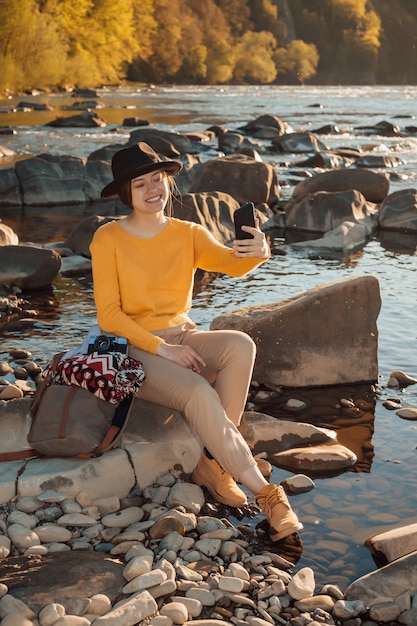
[{"x": 381, "y": 491}]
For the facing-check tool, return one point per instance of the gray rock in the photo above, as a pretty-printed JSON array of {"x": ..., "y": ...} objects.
[
  {"x": 387, "y": 583},
  {"x": 243, "y": 178},
  {"x": 335, "y": 343},
  {"x": 373, "y": 186},
  {"x": 326, "y": 459},
  {"x": 51, "y": 179},
  {"x": 265, "y": 432},
  {"x": 28, "y": 267},
  {"x": 398, "y": 211},
  {"x": 394, "y": 543}
]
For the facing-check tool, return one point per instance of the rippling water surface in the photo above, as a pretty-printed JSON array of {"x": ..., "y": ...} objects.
[{"x": 381, "y": 491}]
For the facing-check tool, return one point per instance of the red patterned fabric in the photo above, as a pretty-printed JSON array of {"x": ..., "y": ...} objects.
[{"x": 112, "y": 376}]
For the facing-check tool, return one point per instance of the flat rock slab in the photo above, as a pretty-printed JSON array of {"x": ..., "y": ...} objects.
[{"x": 38, "y": 581}]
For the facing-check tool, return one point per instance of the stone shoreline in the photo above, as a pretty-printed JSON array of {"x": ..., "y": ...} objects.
[
  {"x": 188, "y": 551},
  {"x": 178, "y": 559}
]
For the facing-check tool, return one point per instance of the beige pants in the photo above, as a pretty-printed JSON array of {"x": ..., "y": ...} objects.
[{"x": 212, "y": 401}]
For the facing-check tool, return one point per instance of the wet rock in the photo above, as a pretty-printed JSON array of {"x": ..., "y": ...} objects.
[
  {"x": 398, "y": 211},
  {"x": 264, "y": 432},
  {"x": 28, "y": 267},
  {"x": 374, "y": 187},
  {"x": 403, "y": 379},
  {"x": 326, "y": 459},
  {"x": 385, "y": 584},
  {"x": 323, "y": 211},
  {"x": 243, "y": 178},
  {"x": 51, "y": 179},
  {"x": 409, "y": 413},
  {"x": 298, "y": 142},
  {"x": 179, "y": 142},
  {"x": 86, "y": 119}
]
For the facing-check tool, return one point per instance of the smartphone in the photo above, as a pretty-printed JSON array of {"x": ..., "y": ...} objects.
[{"x": 244, "y": 216}]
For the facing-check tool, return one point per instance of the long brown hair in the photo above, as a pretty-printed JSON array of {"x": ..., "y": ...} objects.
[{"x": 125, "y": 193}]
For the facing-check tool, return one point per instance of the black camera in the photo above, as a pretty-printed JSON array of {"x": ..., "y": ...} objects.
[{"x": 107, "y": 343}]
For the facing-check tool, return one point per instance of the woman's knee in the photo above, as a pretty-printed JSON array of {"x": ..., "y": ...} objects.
[{"x": 241, "y": 346}]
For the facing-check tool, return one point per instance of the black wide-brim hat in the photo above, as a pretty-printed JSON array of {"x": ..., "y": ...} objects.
[{"x": 135, "y": 161}]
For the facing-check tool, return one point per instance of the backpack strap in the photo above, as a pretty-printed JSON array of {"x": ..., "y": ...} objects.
[{"x": 21, "y": 454}]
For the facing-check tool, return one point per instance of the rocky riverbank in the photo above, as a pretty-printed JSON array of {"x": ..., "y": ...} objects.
[{"x": 167, "y": 556}]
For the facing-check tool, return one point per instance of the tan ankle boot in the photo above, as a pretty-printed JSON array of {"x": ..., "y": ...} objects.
[
  {"x": 273, "y": 501},
  {"x": 220, "y": 484}
]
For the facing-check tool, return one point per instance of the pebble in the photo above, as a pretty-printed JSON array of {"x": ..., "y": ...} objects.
[
  {"x": 124, "y": 518},
  {"x": 403, "y": 379},
  {"x": 176, "y": 611},
  {"x": 409, "y": 413}
]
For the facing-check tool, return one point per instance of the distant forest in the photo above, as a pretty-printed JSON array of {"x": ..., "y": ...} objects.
[{"x": 61, "y": 44}]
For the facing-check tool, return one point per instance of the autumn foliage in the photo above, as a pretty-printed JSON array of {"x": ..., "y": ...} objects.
[{"x": 51, "y": 44}]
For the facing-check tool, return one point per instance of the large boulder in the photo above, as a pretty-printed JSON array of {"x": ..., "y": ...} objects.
[
  {"x": 230, "y": 142},
  {"x": 372, "y": 185},
  {"x": 399, "y": 211},
  {"x": 28, "y": 267},
  {"x": 242, "y": 177},
  {"x": 265, "y": 433},
  {"x": 342, "y": 240},
  {"x": 80, "y": 237},
  {"x": 179, "y": 143},
  {"x": 298, "y": 142},
  {"x": 214, "y": 210},
  {"x": 325, "y": 336},
  {"x": 51, "y": 179},
  {"x": 10, "y": 192},
  {"x": 394, "y": 543},
  {"x": 323, "y": 211},
  {"x": 266, "y": 121},
  {"x": 97, "y": 175},
  {"x": 386, "y": 584},
  {"x": 316, "y": 460}
]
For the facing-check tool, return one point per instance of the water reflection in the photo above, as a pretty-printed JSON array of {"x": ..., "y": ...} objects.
[{"x": 349, "y": 410}]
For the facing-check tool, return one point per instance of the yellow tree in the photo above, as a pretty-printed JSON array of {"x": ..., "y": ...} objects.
[
  {"x": 237, "y": 14},
  {"x": 174, "y": 35},
  {"x": 254, "y": 58},
  {"x": 214, "y": 45},
  {"x": 31, "y": 53},
  {"x": 298, "y": 61}
]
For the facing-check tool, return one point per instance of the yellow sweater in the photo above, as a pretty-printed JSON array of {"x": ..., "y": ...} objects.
[{"x": 142, "y": 285}]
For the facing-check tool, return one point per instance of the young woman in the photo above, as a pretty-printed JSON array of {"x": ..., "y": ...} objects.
[{"x": 143, "y": 273}]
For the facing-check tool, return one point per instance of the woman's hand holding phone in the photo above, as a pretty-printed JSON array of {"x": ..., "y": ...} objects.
[{"x": 250, "y": 240}]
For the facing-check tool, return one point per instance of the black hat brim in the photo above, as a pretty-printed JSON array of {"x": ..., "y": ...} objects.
[{"x": 112, "y": 189}]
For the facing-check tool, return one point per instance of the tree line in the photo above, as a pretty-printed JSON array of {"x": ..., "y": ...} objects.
[{"x": 50, "y": 44}]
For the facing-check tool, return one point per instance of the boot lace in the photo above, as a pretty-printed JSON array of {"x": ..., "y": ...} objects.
[{"x": 270, "y": 499}]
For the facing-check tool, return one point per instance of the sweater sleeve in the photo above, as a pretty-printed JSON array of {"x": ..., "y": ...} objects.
[
  {"x": 216, "y": 257},
  {"x": 110, "y": 316}
]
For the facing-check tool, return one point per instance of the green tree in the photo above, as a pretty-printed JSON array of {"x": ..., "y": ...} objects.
[
  {"x": 297, "y": 62},
  {"x": 254, "y": 58}
]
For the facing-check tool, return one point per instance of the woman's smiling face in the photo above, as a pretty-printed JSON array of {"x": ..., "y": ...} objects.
[{"x": 150, "y": 192}]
